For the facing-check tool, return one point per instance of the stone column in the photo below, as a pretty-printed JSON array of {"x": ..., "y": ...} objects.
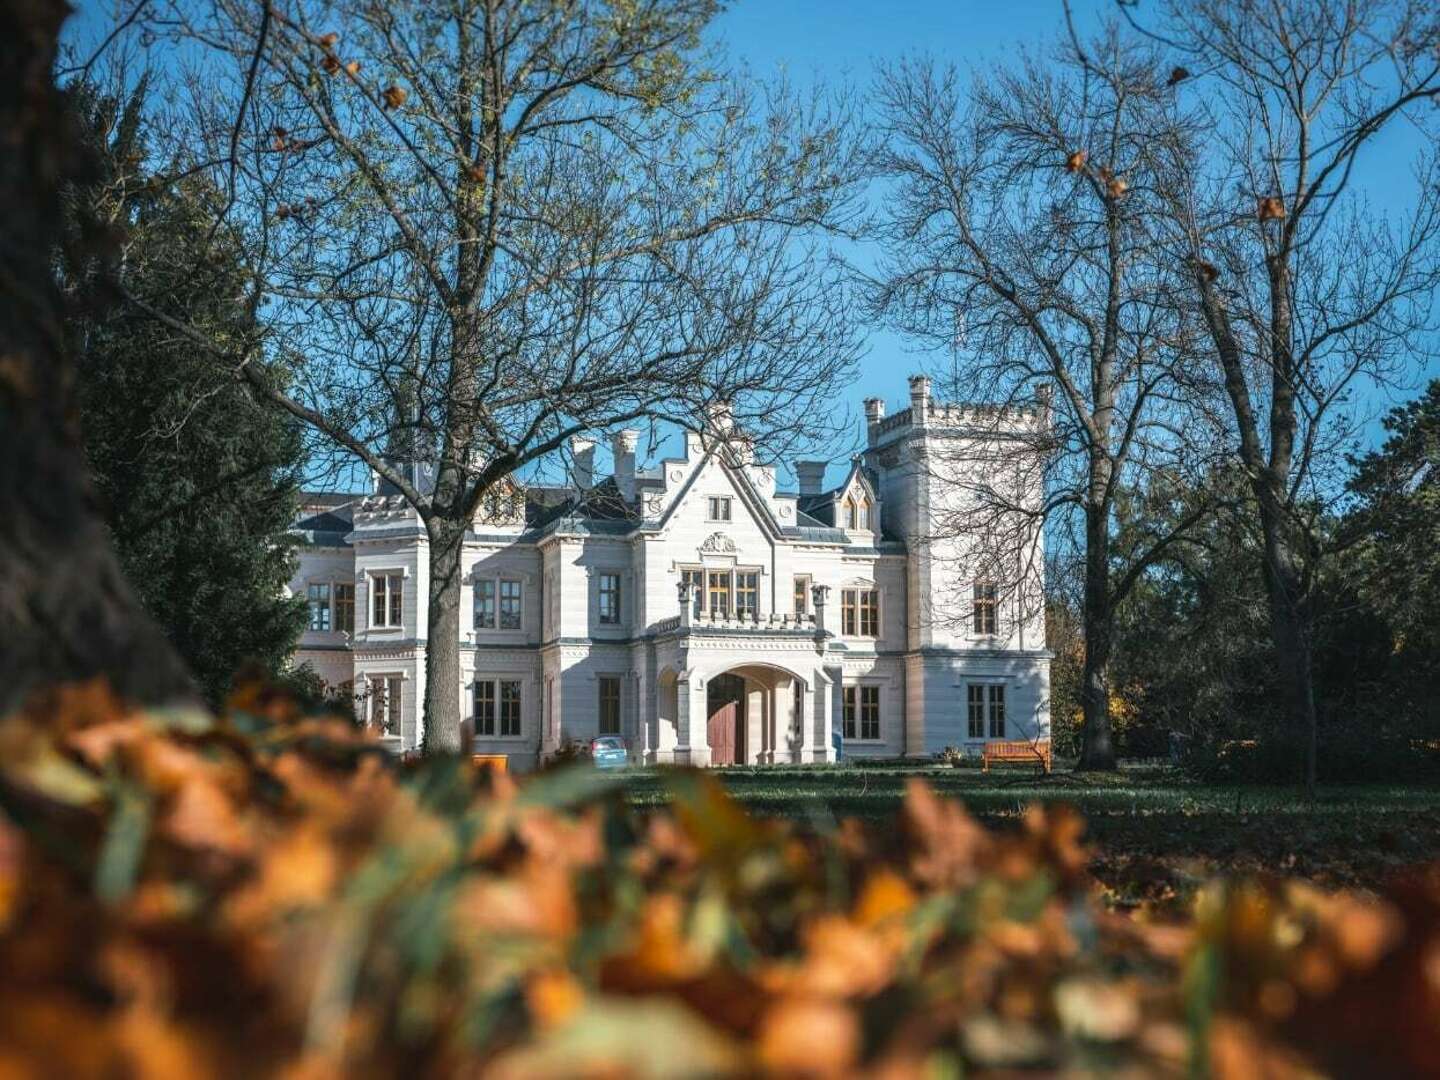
[
  {"x": 640, "y": 682},
  {"x": 687, "y": 604},
  {"x": 693, "y": 747},
  {"x": 818, "y": 724}
]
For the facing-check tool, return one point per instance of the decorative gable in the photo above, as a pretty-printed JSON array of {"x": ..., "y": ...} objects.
[{"x": 857, "y": 506}]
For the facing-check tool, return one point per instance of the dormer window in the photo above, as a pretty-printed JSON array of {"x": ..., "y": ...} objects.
[{"x": 858, "y": 513}]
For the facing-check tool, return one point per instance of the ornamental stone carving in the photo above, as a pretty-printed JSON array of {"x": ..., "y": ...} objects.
[{"x": 717, "y": 543}]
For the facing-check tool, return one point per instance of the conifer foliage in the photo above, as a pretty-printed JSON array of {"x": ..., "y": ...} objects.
[{"x": 197, "y": 480}]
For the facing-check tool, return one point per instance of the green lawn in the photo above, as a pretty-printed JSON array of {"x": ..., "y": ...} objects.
[{"x": 1152, "y": 830}]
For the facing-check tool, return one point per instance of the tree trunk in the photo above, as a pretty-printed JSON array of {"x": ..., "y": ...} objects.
[
  {"x": 1097, "y": 750},
  {"x": 66, "y": 613},
  {"x": 1290, "y": 630},
  {"x": 442, "y": 639}
]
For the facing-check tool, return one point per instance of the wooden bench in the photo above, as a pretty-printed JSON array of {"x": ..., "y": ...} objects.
[
  {"x": 497, "y": 762},
  {"x": 1016, "y": 750}
]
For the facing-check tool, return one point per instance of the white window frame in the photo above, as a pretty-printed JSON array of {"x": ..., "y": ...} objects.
[
  {"x": 697, "y": 594},
  {"x": 716, "y": 503},
  {"x": 311, "y": 608},
  {"x": 600, "y": 590},
  {"x": 753, "y": 614},
  {"x": 335, "y": 587},
  {"x": 859, "y": 620},
  {"x": 987, "y": 700},
  {"x": 731, "y": 575},
  {"x": 802, "y": 592},
  {"x": 496, "y": 682},
  {"x": 859, "y": 690},
  {"x": 497, "y": 582},
  {"x": 519, "y": 584},
  {"x": 373, "y": 578}
]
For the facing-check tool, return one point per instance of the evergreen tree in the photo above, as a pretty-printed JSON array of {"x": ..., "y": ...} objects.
[
  {"x": 198, "y": 481},
  {"x": 1396, "y": 564}
]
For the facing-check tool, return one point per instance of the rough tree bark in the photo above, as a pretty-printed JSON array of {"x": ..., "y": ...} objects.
[
  {"x": 442, "y": 645},
  {"x": 66, "y": 613},
  {"x": 1097, "y": 746}
]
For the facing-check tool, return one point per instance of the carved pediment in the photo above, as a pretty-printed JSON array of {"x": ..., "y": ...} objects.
[{"x": 717, "y": 543}]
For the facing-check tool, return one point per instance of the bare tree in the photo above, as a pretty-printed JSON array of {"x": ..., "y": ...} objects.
[
  {"x": 478, "y": 228},
  {"x": 66, "y": 613},
  {"x": 1021, "y": 232},
  {"x": 1311, "y": 298}
]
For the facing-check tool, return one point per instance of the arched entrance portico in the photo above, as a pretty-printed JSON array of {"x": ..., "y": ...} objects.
[{"x": 755, "y": 714}]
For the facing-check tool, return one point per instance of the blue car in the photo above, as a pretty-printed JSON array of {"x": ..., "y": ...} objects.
[{"x": 608, "y": 752}]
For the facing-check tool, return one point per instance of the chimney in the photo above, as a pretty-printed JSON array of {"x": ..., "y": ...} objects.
[
  {"x": 582, "y": 450},
  {"x": 721, "y": 417},
  {"x": 819, "y": 594},
  {"x": 1044, "y": 397},
  {"x": 622, "y": 448},
  {"x": 811, "y": 476},
  {"x": 919, "y": 398}
]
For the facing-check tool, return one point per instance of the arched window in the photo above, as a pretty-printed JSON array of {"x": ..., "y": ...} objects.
[
  {"x": 864, "y": 522},
  {"x": 850, "y": 513}
]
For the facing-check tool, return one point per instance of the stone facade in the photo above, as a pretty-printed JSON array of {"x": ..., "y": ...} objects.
[{"x": 696, "y": 610}]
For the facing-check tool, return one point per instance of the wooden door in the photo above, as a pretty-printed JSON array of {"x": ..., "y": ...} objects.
[
  {"x": 721, "y": 732},
  {"x": 725, "y": 700}
]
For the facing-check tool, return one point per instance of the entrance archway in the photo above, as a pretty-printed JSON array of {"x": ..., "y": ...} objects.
[
  {"x": 725, "y": 724},
  {"x": 755, "y": 714}
]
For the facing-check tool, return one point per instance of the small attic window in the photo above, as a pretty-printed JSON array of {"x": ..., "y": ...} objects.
[
  {"x": 857, "y": 513},
  {"x": 719, "y": 508}
]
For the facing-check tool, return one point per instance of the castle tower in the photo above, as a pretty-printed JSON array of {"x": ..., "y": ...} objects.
[{"x": 930, "y": 459}]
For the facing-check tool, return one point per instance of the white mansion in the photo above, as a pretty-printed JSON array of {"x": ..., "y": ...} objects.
[{"x": 697, "y": 611}]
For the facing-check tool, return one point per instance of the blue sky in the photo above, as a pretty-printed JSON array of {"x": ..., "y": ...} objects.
[
  {"x": 838, "y": 42},
  {"x": 841, "y": 41}
]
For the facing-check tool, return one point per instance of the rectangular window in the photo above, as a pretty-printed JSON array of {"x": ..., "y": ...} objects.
[
  {"x": 485, "y": 605},
  {"x": 869, "y": 613},
  {"x": 696, "y": 580},
  {"x": 388, "y": 605},
  {"x": 986, "y": 608},
  {"x": 385, "y": 703},
  {"x": 319, "y": 599},
  {"x": 719, "y": 593},
  {"x": 484, "y": 707},
  {"x": 719, "y": 508},
  {"x": 509, "y": 708},
  {"x": 975, "y": 707},
  {"x": 985, "y": 707},
  {"x": 509, "y": 605},
  {"x": 610, "y": 598},
  {"x": 860, "y": 612},
  {"x": 997, "y": 712},
  {"x": 747, "y": 595},
  {"x": 869, "y": 712},
  {"x": 802, "y": 595},
  {"x": 345, "y": 608},
  {"x": 860, "y": 713},
  {"x": 609, "y": 705}
]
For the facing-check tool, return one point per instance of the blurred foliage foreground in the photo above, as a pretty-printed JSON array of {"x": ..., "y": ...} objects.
[{"x": 270, "y": 894}]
